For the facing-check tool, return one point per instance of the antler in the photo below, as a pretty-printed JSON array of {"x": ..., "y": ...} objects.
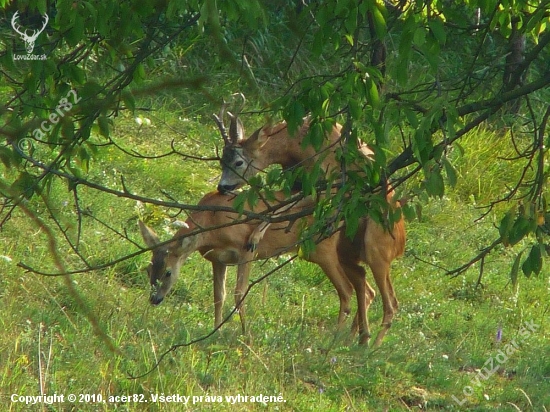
[
  {"x": 218, "y": 118},
  {"x": 243, "y": 104},
  {"x": 46, "y": 20},
  {"x": 14, "y": 24},
  {"x": 35, "y": 32},
  {"x": 236, "y": 129}
]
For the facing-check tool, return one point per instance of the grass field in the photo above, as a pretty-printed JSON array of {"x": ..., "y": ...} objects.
[{"x": 442, "y": 352}]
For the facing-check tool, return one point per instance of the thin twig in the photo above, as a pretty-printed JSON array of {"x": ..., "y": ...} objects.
[{"x": 481, "y": 255}]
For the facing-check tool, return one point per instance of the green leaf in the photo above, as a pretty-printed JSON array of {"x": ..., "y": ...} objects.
[
  {"x": 450, "y": 171},
  {"x": 409, "y": 211},
  {"x": 505, "y": 20},
  {"x": 519, "y": 230},
  {"x": 533, "y": 263},
  {"x": 341, "y": 6},
  {"x": 460, "y": 149},
  {"x": 411, "y": 117},
  {"x": 84, "y": 158},
  {"x": 422, "y": 143},
  {"x": 430, "y": 51},
  {"x": 352, "y": 224},
  {"x": 535, "y": 20},
  {"x": 318, "y": 43},
  {"x": 24, "y": 185},
  {"x": 91, "y": 11},
  {"x": 438, "y": 30},
  {"x": 128, "y": 99},
  {"x": 351, "y": 22},
  {"x": 355, "y": 109},
  {"x": 90, "y": 90},
  {"x": 76, "y": 172},
  {"x": 372, "y": 93},
  {"x": 103, "y": 123},
  {"x": 395, "y": 215},
  {"x": 294, "y": 115},
  {"x": 419, "y": 36},
  {"x": 6, "y": 156},
  {"x": 252, "y": 198},
  {"x": 41, "y": 6},
  {"x": 76, "y": 73},
  {"x": 30, "y": 81},
  {"x": 139, "y": 73},
  {"x": 515, "y": 270},
  {"x": 239, "y": 202},
  {"x": 379, "y": 22},
  {"x": 316, "y": 136},
  {"x": 402, "y": 66},
  {"x": 434, "y": 184},
  {"x": 67, "y": 130},
  {"x": 75, "y": 34},
  {"x": 506, "y": 225}
]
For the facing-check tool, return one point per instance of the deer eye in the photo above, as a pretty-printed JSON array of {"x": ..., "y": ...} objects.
[{"x": 239, "y": 163}]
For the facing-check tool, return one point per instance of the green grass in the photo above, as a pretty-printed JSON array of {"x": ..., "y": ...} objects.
[{"x": 443, "y": 334}]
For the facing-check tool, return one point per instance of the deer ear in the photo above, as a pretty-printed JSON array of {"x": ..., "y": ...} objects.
[
  {"x": 149, "y": 236},
  {"x": 184, "y": 246},
  {"x": 366, "y": 151},
  {"x": 269, "y": 130},
  {"x": 260, "y": 137}
]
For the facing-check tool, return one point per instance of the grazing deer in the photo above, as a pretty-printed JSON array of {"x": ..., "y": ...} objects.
[
  {"x": 243, "y": 158},
  {"x": 222, "y": 241}
]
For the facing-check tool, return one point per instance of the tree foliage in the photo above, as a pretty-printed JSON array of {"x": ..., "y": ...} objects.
[{"x": 410, "y": 78}]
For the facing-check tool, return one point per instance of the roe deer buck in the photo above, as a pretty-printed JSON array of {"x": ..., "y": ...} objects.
[
  {"x": 243, "y": 158},
  {"x": 223, "y": 242}
]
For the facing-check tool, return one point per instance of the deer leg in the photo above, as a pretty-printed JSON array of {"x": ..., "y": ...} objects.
[
  {"x": 390, "y": 304},
  {"x": 378, "y": 244},
  {"x": 350, "y": 254},
  {"x": 365, "y": 294},
  {"x": 369, "y": 298},
  {"x": 334, "y": 271},
  {"x": 218, "y": 269},
  {"x": 243, "y": 271}
]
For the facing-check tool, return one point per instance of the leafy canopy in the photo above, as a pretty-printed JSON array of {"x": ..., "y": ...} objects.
[{"x": 410, "y": 78}]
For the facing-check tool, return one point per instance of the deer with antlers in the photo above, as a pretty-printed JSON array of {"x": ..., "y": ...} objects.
[
  {"x": 378, "y": 246},
  {"x": 29, "y": 40},
  {"x": 221, "y": 236}
]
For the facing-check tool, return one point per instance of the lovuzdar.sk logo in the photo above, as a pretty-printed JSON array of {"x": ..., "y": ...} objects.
[{"x": 29, "y": 36}]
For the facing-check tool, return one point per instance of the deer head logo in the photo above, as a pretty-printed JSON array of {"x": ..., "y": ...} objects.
[{"x": 29, "y": 40}]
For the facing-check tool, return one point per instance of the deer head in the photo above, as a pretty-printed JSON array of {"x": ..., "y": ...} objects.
[
  {"x": 166, "y": 261},
  {"x": 29, "y": 40},
  {"x": 232, "y": 142}
]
